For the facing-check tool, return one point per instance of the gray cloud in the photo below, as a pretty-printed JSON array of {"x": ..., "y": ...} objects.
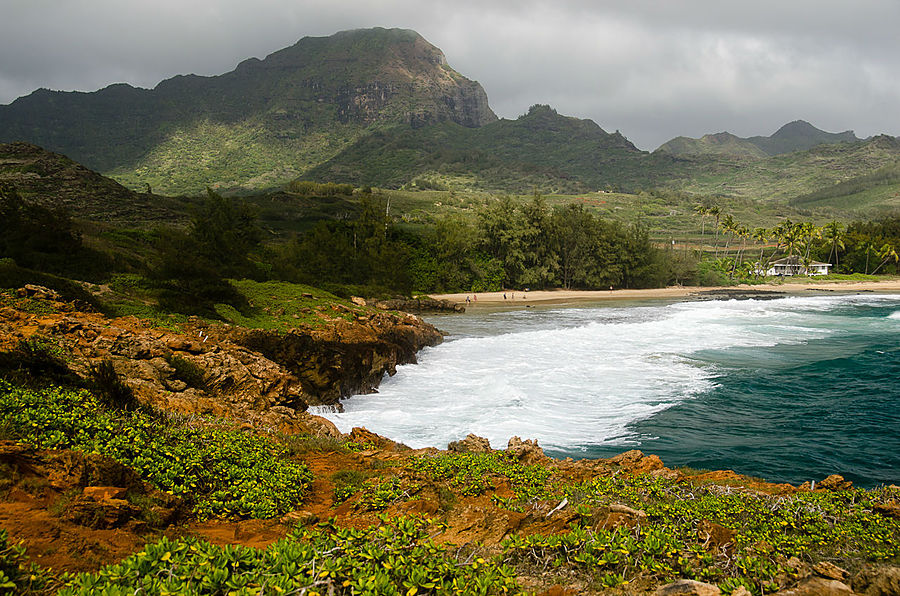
[{"x": 652, "y": 69}]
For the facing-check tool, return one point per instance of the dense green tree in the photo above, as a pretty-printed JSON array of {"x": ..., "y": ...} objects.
[
  {"x": 225, "y": 232},
  {"x": 540, "y": 261},
  {"x": 501, "y": 228},
  {"x": 365, "y": 251}
]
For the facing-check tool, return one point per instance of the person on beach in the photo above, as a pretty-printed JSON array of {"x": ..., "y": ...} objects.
[
  {"x": 467, "y": 300},
  {"x": 474, "y": 297},
  {"x": 504, "y": 295}
]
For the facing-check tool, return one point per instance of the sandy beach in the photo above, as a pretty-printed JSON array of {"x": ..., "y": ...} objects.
[{"x": 521, "y": 297}]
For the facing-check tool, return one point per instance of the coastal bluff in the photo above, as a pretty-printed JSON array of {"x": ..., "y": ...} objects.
[{"x": 207, "y": 368}]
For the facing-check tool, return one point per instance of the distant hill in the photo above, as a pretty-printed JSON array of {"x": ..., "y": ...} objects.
[
  {"x": 259, "y": 125},
  {"x": 54, "y": 180},
  {"x": 798, "y": 135},
  {"x": 540, "y": 149},
  {"x": 790, "y": 175},
  {"x": 722, "y": 143}
]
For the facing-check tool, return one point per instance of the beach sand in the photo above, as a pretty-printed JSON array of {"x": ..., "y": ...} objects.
[{"x": 521, "y": 297}]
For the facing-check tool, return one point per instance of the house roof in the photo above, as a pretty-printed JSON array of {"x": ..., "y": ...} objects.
[{"x": 797, "y": 261}]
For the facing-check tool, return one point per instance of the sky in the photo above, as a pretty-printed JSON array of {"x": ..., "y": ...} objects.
[{"x": 652, "y": 69}]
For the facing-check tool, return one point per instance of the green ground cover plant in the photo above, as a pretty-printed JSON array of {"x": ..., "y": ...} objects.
[
  {"x": 18, "y": 575},
  {"x": 396, "y": 558},
  {"x": 768, "y": 533},
  {"x": 470, "y": 474},
  {"x": 222, "y": 472}
]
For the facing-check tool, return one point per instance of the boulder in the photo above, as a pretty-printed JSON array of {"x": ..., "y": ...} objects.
[
  {"x": 103, "y": 493},
  {"x": 878, "y": 581},
  {"x": 526, "y": 451},
  {"x": 635, "y": 462},
  {"x": 471, "y": 444},
  {"x": 300, "y": 517},
  {"x": 889, "y": 509},
  {"x": 619, "y": 508},
  {"x": 829, "y": 571},
  {"x": 835, "y": 482},
  {"x": 818, "y": 586},
  {"x": 39, "y": 292},
  {"x": 688, "y": 587},
  {"x": 715, "y": 536}
]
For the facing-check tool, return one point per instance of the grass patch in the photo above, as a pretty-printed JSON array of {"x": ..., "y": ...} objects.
[
  {"x": 282, "y": 306},
  {"x": 35, "y": 358},
  {"x": 187, "y": 371},
  {"x": 346, "y": 484},
  {"x": 111, "y": 390},
  {"x": 300, "y": 444}
]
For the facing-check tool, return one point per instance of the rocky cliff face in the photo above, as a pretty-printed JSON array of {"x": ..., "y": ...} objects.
[{"x": 260, "y": 377}]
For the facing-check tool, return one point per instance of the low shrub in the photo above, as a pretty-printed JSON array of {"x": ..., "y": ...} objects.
[
  {"x": 187, "y": 371},
  {"x": 20, "y": 576},
  {"x": 221, "y": 472},
  {"x": 397, "y": 558},
  {"x": 111, "y": 390}
]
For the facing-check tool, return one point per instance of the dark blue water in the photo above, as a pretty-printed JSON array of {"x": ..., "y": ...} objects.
[{"x": 791, "y": 413}]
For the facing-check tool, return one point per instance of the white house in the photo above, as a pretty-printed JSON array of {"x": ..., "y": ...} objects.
[{"x": 795, "y": 266}]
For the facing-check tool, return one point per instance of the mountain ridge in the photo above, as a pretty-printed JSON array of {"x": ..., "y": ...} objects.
[
  {"x": 798, "y": 135},
  {"x": 265, "y": 121}
]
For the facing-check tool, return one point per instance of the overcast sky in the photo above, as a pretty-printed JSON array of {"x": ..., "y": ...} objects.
[{"x": 653, "y": 69}]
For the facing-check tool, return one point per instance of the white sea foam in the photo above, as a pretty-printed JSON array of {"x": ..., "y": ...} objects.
[{"x": 577, "y": 377}]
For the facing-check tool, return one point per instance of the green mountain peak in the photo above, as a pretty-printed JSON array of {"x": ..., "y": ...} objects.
[{"x": 260, "y": 125}]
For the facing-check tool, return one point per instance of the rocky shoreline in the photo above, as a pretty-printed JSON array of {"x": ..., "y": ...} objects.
[
  {"x": 481, "y": 500},
  {"x": 251, "y": 375}
]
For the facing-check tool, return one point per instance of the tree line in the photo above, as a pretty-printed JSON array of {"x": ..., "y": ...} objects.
[{"x": 504, "y": 244}]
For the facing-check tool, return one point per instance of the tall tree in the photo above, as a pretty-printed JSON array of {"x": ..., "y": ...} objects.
[
  {"x": 886, "y": 253},
  {"x": 225, "y": 232},
  {"x": 834, "y": 233}
]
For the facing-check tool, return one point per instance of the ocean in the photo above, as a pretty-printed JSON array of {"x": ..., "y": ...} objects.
[{"x": 788, "y": 389}]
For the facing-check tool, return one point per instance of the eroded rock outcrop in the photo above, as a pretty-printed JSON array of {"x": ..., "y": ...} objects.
[
  {"x": 261, "y": 377},
  {"x": 347, "y": 358}
]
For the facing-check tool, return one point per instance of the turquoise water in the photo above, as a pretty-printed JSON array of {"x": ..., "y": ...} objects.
[
  {"x": 790, "y": 389},
  {"x": 794, "y": 412}
]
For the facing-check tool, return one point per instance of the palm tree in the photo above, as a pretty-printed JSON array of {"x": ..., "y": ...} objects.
[
  {"x": 728, "y": 226},
  {"x": 834, "y": 233},
  {"x": 789, "y": 235},
  {"x": 761, "y": 235},
  {"x": 742, "y": 232},
  {"x": 885, "y": 253},
  {"x": 702, "y": 212},
  {"x": 716, "y": 212},
  {"x": 869, "y": 248},
  {"x": 808, "y": 233}
]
